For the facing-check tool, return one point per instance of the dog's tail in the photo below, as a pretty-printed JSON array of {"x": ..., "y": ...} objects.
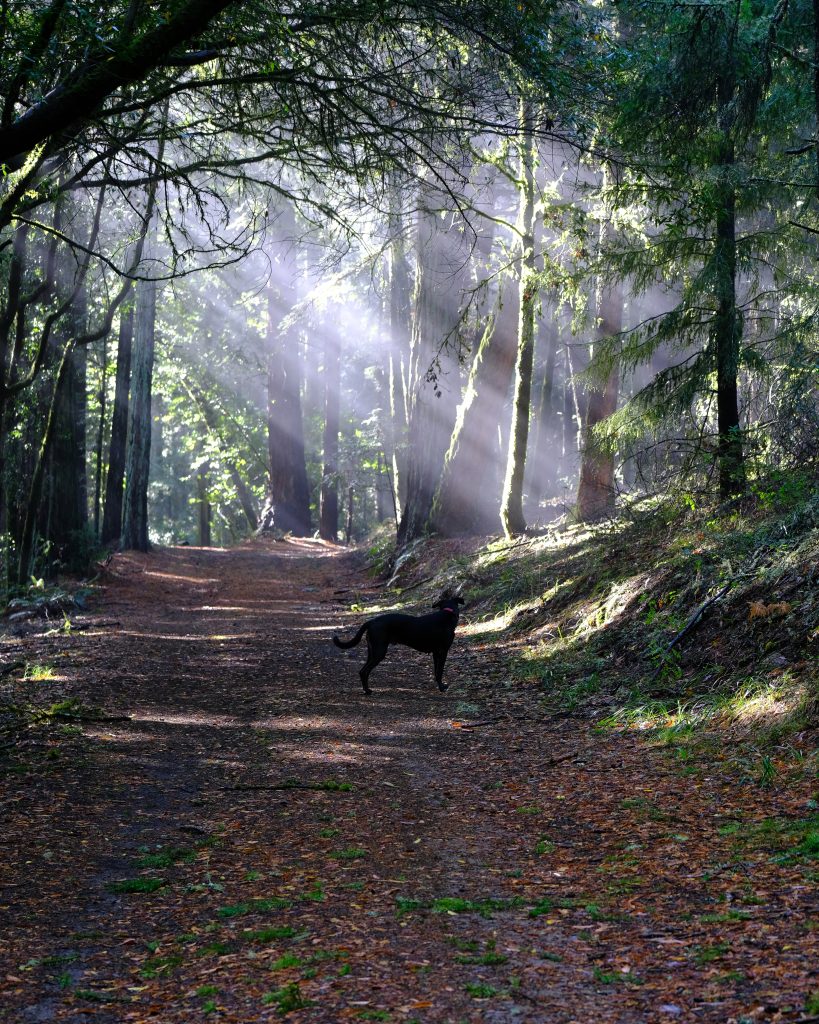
[{"x": 346, "y": 644}]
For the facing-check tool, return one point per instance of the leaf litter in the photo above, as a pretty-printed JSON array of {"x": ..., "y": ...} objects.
[{"x": 244, "y": 836}]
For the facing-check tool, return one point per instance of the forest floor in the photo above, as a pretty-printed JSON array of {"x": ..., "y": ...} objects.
[{"x": 205, "y": 819}]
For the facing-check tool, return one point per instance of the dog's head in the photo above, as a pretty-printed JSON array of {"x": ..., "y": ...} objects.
[{"x": 450, "y": 603}]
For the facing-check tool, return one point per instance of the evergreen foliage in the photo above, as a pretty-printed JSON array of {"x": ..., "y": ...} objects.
[{"x": 347, "y": 221}]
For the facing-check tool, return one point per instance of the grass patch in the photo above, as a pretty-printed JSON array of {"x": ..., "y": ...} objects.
[
  {"x": 215, "y": 949},
  {"x": 615, "y": 977},
  {"x": 465, "y": 945},
  {"x": 136, "y": 885},
  {"x": 160, "y": 966},
  {"x": 645, "y": 808},
  {"x": 483, "y": 960},
  {"x": 541, "y": 908},
  {"x": 316, "y": 894},
  {"x": 479, "y": 990},
  {"x": 261, "y": 906},
  {"x": 405, "y": 905},
  {"x": 456, "y": 905},
  {"x": 708, "y": 954},
  {"x": 39, "y": 673},
  {"x": 287, "y": 998},
  {"x": 286, "y": 962},
  {"x": 350, "y": 853},
  {"x": 262, "y": 936},
  {"x": 166, "y": 858},
  {"x": 726, "y": 917},
  {"x": 96, "y": 996},
  {"x": 787, "y": 839}
]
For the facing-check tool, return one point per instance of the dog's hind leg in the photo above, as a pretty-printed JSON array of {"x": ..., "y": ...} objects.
[
  {"x": 439, "y": 660},
  {"x": 375, "y": 655}
]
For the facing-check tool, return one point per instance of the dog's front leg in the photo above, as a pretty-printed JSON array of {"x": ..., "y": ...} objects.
[{"x": 439, "y": 659}]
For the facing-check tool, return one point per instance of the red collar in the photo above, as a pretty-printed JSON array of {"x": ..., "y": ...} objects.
[{"x": 450, "y": 610}]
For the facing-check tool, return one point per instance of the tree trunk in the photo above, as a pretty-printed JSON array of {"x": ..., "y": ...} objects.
[
  {"x": 728, "y": 327},
  {"x": 348, "y": 528},
  {"x": 204, "y": 507},
  {"x": 112, "y": 514},
  {"x": 138, "y": 455},
  {"x": 595, "y": 493},
  {"x": 102, "y": 399},
  {"x": 67, "y": 485},
  {"x": 434, "y": 372},
  {"x": 512, "y": 501},
  {"x": 10, "y": 310},
  {"x": 467, "y": 501},
  {"x": 287, "y": 506},
  {"x": 816, "y": 84},
  {"x": 26, "y": 551},
  {"x": 398, "y": 351},
  {"x": 546, "y": 459},
  {"x": 328, "y": 512}
]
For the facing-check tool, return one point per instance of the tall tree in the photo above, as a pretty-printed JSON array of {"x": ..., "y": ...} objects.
[
  {"x": 512, "y": 500},
  {"x": 115, "y": 479},
  {"x": 462, "y": 507},
  {"x": 328, "y": 500},
  {"x": 288, "y": 501},
  {"x": 398, "y": 348},
  {"x": 434, "y": 375},
  {"x": 596, "y": 494},
  {"x": 66, "y": 485},
  {"x": 696, "y": 112},
  {"x": 546, "y": 454},
  {"x": 138, "y": 454},
  {"x": 727, "y": 323}
]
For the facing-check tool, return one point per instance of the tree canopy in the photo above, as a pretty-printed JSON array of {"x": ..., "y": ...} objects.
[{"x": 390, "y": 205}]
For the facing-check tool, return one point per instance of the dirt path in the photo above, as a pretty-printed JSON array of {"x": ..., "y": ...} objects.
[{"x": 259, "y": 837}]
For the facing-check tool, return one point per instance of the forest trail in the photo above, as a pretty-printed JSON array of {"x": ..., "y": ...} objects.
[{"x": 258, "y": 838}]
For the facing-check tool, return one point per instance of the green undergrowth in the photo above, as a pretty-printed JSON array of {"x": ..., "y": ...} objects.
[{"x": 593, "y": 617}]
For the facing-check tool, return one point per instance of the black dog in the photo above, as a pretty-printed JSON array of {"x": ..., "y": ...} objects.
[{"x": 432, "y": 633}]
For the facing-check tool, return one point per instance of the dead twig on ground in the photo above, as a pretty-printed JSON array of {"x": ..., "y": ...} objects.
[
  {"x": 67, "y": 716},
  {"x": 692, "y": 622},
  {"x": 412, "y": 586}
]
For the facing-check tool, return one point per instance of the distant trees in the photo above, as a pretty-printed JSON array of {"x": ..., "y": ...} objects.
[{"x": 480, "y": 264}]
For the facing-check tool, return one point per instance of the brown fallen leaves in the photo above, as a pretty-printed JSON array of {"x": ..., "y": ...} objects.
[
  {"x": 760, "y": 610},
  {"x": 324, "y": 856}
]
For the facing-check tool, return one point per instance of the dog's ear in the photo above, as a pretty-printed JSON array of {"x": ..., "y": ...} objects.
[{"x": 460, "y": 600}]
